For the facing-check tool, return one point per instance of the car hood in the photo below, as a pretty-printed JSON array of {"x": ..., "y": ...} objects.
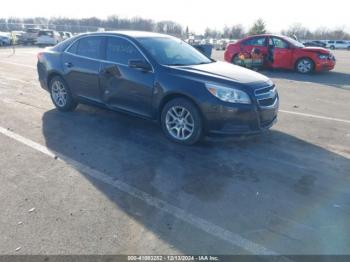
[
  {"x": 226, "y": 72},
  {"x": 316, "y": 50}
]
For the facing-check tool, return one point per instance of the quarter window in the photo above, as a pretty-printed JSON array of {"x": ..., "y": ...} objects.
[
  {"x": 121, "y": 51},
  {"x": 73, "y": 48},
  {"x": 89, "y": 47},
  {"x": 256, "y": 41}
]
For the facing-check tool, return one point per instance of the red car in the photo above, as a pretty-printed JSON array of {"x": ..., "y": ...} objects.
[{"x": 282, "y": 52}]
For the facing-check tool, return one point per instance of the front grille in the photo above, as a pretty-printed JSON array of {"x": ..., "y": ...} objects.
[
  {"x": 264, "y": 90},
  {"x": 266, "y": 96},
  {"x": 267, "y": 102}
]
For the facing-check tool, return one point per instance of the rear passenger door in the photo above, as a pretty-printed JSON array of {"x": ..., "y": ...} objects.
[
  {"x": 81, "y": 65},
  {"x": 124, "y": 87}
]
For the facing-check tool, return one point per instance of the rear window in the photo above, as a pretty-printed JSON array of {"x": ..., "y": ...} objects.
[
  {"x": 46, "y": 33},
  {"x": 32, "y": 30},
  {"x": 64, "y": 44}
]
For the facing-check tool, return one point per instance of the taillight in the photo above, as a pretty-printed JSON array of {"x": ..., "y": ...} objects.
[{"x": 40, "y": 56}]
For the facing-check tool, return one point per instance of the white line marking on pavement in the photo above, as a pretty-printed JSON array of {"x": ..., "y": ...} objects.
[
  {"x": 13, "y": 79},
  {"x": 17, "y": 64},
  {"x": 30, "y": 143},
  {"x": 179, "y": 213},
  {"x": 316, "y": 116}
]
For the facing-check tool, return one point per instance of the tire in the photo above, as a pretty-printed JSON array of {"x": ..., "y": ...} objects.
[
  {"x": 182, "y": 122},
  {"x": 61, "y": 95},
  {"x": 305, "y": 66},
  {"x": 332, "y": 47},
  {"x": 348, "y": 48}
]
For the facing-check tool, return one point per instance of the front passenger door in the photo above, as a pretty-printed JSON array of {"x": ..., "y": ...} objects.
[
  {"x": 123, "y": 87},
  {"x": 282, "y": 53}
]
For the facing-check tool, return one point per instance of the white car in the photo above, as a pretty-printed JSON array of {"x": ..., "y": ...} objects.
[
  {"x": 48, "y": 37},
  {"x": 337, "y": 44},
  {"x": 5, "y": 39}
]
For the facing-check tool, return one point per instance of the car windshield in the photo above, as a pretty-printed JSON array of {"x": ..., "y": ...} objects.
[
  {"x": 294, "y": 42},
  {"x": 173, "y": 52}
]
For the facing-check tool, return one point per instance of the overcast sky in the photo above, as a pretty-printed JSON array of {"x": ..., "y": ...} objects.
[{"x": 195, "y": 13}]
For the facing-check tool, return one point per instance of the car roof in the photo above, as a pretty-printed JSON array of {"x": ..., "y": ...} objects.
[
  {"x": 134, "y": 34},
  {"x": 282, "y": 36}
]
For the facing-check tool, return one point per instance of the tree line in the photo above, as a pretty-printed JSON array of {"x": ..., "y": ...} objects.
[
  {"x": 91, "y": 24},
  {"x": 295, "y": 30},
  {"x": 169, "y": 27}
]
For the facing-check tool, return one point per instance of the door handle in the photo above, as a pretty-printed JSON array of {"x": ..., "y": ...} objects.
[
  {"x": 110, "y": 71},
  {"x": 68, "y": 64}
]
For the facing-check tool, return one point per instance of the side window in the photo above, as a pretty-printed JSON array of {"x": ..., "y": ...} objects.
[
  {"x": 279, "y": 43},
  {"x": 121, "y": 51},
  {"x": 256, "y": 41},
  {"x": 340, "y": 42},
  {"x": 90, "y": 47}
]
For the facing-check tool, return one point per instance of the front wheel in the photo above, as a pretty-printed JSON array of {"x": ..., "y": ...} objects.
[
  {"x": 181, "y": 121},
  {"x": 236, "y": 60},
  {"x": 305, "y": 66},
  {"x": 61, "y": 95}
]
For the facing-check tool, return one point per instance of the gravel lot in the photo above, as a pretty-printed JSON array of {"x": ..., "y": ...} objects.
[{"x": 99, "y": 182}]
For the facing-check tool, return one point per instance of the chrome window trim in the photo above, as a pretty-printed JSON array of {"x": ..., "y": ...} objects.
[{"x": 102, "y": 60}]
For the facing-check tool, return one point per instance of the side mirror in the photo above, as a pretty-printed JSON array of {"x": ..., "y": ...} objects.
[{"x": 140, "y": 64}]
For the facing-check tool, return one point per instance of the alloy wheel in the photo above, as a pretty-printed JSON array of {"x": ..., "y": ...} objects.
[
  {"x": 304, "y": 66},
  {"x": 179, "y": 123},
  {"x": 59, "y": 93}
]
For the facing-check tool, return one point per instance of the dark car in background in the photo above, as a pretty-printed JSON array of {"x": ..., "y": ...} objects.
[
  {"x": 158, "y": 77},
  {"x": 315, "y": 43}
]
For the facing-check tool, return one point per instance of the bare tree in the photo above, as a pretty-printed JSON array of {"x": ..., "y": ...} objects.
[{"x": 298, "y": 31}]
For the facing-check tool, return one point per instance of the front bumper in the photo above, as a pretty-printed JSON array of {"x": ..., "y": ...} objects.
[
  {"x": 42, "y": 75},
  {"x": 240, "y": 119},
  {"x": 325, "y": 65}
]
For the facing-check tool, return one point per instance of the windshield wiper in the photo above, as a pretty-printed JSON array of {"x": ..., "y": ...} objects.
[
  {"x": 200, "y": 63},
  {"x": 204, "y": 63},
  {"x": 176, "y": 64}
]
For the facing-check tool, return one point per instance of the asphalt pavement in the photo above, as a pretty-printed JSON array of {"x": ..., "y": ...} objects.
[{"x": 99, "y": 182}]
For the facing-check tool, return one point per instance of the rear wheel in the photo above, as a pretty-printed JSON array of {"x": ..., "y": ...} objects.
[
  {"x": 181, "y": 121},
  {"x": 304, "y": 66},
  {"x": 61, "y": 95},
  {"x": 332, "y": 47}
]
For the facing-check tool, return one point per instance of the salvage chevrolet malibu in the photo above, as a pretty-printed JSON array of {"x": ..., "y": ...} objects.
[{"x": 158, "y": 77}]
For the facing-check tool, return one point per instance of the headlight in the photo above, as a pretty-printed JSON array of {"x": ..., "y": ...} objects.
[
  {"x": 228, "y": 94},
  {"x": 323, "y": 56}
]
